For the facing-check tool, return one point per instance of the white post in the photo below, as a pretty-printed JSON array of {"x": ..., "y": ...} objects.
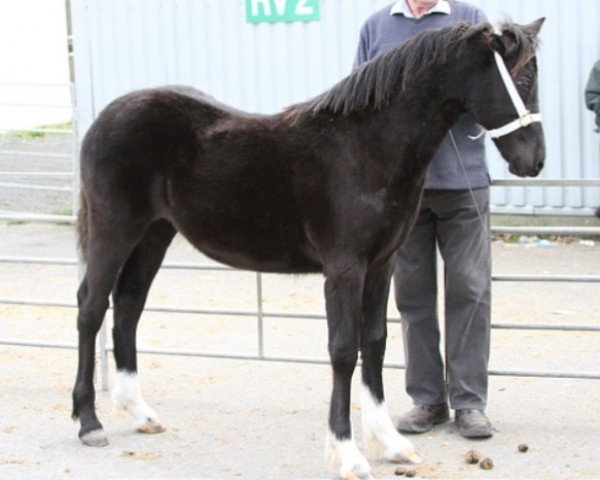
[{"x": 259, "y": 313}]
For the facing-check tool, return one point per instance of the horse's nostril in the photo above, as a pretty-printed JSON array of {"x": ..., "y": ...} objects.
[{"x": 540, "y": 165}]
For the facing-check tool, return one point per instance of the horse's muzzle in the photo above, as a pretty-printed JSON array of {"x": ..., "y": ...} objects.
[{"x": 518, "y": 166}]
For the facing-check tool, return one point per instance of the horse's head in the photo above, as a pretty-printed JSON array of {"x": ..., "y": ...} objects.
[{"x": 503, "y": 95}]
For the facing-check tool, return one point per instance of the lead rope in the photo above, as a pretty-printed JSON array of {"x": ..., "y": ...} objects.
[
  {"x": 464, "y": 172},
  {"x": 483, "y": 226}
]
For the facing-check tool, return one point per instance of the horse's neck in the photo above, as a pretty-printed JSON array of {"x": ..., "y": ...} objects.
[{"x": 410, "y": 131}]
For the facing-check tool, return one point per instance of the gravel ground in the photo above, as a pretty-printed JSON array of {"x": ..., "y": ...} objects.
[{"x": 231, "y": 419}]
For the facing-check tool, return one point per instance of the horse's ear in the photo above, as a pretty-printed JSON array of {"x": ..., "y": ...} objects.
[
  {"x": 533, "y": 29},
  {"x": 504, "y": 43},
  {"x": 496, "y": 43},
  {"x": 467, "y": 32}
]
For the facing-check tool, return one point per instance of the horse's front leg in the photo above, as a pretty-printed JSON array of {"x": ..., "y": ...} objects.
[
  {"x": 380, "y": 435},
  {"x": 343, "y": 293}
]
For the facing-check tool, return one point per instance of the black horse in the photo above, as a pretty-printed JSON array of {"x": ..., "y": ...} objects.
[{"x": 332, "y": 185}]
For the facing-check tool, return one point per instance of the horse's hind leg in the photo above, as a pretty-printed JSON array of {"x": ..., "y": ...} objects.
[
  {"x": 105, "y": 256},
  {"x": 378, "y": 430},
  {"x": 129, "y": 297}
]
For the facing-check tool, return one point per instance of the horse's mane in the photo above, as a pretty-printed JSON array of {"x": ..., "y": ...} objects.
[{"x": 372, "y": 84}]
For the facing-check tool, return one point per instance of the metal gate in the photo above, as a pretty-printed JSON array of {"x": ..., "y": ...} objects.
[{"x": 260, "y": 314}]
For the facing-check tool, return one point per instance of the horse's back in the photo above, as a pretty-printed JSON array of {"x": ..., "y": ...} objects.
[
  {"x": 220, "y": 176},
  {"x": 150, "y": 118}
]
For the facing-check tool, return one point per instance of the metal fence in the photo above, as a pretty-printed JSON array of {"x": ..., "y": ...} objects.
[
  {"x": 31, "y": 157},
  {"x": 260, "y": 314}
]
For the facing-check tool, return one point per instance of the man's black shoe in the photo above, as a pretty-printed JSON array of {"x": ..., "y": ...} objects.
[
  {"x": 422, "y": 418},
  {"x": 473, "y": 424}
]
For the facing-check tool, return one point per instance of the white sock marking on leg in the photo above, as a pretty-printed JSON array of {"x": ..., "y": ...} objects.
[
  {"x": 353, "y": 463},
  {"x": 128, "y": 396},
  {"x": 380, "y": 432}
]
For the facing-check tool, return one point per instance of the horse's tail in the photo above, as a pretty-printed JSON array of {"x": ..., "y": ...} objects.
[{"x": 82, "y": 225}]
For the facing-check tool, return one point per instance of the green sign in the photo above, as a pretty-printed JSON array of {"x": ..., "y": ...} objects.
[{"x": 259, "y": 11}]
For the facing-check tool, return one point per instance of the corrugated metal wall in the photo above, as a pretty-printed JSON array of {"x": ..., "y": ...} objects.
[{"x": 122, "y": 45}]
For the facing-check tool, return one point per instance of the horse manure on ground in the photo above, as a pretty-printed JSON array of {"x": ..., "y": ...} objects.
[
  {"x": 523, "y": 447},
  {"x": 473, "y": 456},
  {"x": 401, "y": 470},
  {"x": 487, "y": 464}
]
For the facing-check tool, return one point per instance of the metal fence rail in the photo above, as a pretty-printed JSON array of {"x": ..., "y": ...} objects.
[
  {"x": 57, "y": 108},
  {"x": 281, "y": 359},
  {"x": 547, "y": 182},
  {"x": 260, "y": 314},
  {"x": 287, "y": 315},
  {"x": 33, "y": 186},
  {"x": 36, "y": 217},
  {"x": 575, "y": 231}
]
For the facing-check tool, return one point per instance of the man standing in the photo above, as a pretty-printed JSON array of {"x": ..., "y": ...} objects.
[
  {"x": 592, "y": 100},
  {"x": 592, "y": 92},
  {"x": 454, "y": 215}
]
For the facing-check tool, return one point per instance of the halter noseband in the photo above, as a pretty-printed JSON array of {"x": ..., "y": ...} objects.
[{"x": 526, "y": 118}]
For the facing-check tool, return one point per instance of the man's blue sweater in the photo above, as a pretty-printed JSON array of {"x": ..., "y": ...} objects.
[{"x": 380, "y": 33}]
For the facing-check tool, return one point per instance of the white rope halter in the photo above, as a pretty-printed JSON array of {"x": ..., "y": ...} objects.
[{"x": 525, "y": 119}]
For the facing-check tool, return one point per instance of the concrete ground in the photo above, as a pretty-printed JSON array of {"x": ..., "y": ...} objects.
[{"x": 230, "y": 419}]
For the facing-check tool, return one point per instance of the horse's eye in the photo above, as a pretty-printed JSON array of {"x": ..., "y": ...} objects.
[{"x": 524, "y": 83}]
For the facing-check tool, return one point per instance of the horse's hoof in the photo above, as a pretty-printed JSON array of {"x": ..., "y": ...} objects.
[
  {"x": 358, "y": 476},
  {"x": 95, "y": 438},
  {"x": 360, "y": 471},
  {"x": 412, "y": 457},
  {"x": 403, "y": 456},
  {"x": 151, "y": 426}
]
